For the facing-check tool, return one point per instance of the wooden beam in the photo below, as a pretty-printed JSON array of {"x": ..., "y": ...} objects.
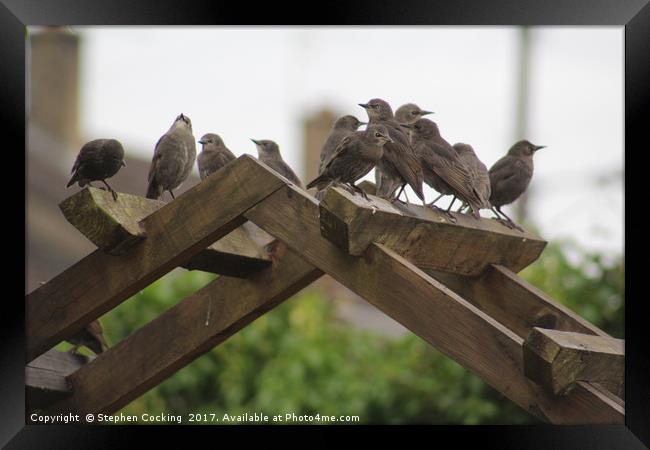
[
  {"x": 174, "y": 233},
  {"x": 183, "y": 333},
  {"x": 45, "y": 378},
  {"x": 429, "y": 309},
  {"x": 425, "y": 237},
  {"x": 558, "y": 359},
  {"x": 114, "y": 227},
  {"x": 514, "y": 302},
  {"x": 519, "y": 305}
]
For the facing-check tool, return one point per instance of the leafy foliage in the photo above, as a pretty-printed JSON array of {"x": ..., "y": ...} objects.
[{"x": 300, "y": 358}]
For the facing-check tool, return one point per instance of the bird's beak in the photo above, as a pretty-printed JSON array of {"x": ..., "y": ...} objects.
[
  {"x": 256, "y": 142},
  {"x": 123, "y": 163},
  {"x": 539, "y": 147},
  {"x": 363, "y": 123},
  {"x": 388, "y": 139},
  {"x": 201, "y": 141},
  {"x": 405, "y": 125},
  {"x": 424, "y": 113},
  {"x": 363, "y": 105}
]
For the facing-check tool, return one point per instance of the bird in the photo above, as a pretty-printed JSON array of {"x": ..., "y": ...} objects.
[
  {"x": 407, "y": 113},
  {"x": 410, "y": 113},
  {"x": 214, "y": 155},
  {"x": 91, "y": 336},
  {"x": 442, "y": 167},
  {"x": 98, "y": 160},
  {"x": 269, "y": 154},
  {"x": 353, "y": 158},
  {"x": 399, "y": 163},
  {"x": 343, "y": 127},
  {"x": 479, "y": 173},
  {"x": 173, "y": 158},
  {"x": 510, "y": 177}
]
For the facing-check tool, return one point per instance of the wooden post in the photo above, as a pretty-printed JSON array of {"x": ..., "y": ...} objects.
[
  {"x": 557, "y": 359},
  {"x": 425, "y": 237}
]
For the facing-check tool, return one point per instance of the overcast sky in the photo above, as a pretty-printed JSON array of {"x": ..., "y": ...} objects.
[{"x": 243, "y": 82}]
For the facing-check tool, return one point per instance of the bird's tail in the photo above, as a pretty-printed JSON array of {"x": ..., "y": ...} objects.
[
  {"x": 72, "y": 180},
  {"x": 154, "y": 190},
  {"x": 319, "y": 182}
]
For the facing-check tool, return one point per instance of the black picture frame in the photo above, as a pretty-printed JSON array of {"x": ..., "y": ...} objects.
[{"x": 634, "y": 15}]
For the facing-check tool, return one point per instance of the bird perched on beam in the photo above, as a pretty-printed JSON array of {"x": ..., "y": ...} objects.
[
  {"x": 510, "y": 177},
  {"x": 443, "y": 169},
  {"x": 269, "y": 154},
  {"x": 173, "y": 158},
  {"x": 399, "y": 164},
  {"x": 407, "y": 114},
  {"x": 344, "y": 126},
  {"x": 354, "y": 157},
  {"x": 480, "y": 179},
  {"x": 98, "y": 160},
  {"x": 91, "y": 336},
  {"x": 214, "y": 155}
]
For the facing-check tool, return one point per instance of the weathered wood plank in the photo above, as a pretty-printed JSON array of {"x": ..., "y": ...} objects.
[
  {"x": 425, "y": 237},
  {"x": 114, "y": 227},
  {"x": 514, "y": 302},
  {"x": 557, "y": 359},
  {"x": 183, "y": 333},
  {"x": 174, "y": 233},
  {"x": 45, "y": 378},
  {"x": 429, "y": 309}
]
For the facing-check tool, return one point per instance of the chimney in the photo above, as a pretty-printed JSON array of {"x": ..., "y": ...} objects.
[
  {"x": 54, "y": 83},
  {"x": 316, "y": 129}
]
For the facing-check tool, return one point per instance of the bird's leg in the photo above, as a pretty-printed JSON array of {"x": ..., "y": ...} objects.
[
  {"x": 512, "y": 222},
  {"x": 172, "y": 194},
  {"x": 360, "y": 191},
  {"x": 396, "y": 197},
  {"x": 432, "y": 204},
  {"x": 462, "y": 207},
  {"x": 110, "y": 189}
]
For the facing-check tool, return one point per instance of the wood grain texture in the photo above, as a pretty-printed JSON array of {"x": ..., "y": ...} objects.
[
  {"x": 519, "y": 305},
  {"x": 45, "y": 378},
  {"x": 429, "y": 309},
  {"x": 425, "y": 237},
  {"x": 183, "y": 333},
  {"x": 174, "y": 233},
  {"x": 114, "y": 227},
  {"x": 558, "y": 359}
]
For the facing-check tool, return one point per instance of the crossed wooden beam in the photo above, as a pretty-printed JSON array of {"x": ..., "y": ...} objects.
[{"x": 452, "y": 284}]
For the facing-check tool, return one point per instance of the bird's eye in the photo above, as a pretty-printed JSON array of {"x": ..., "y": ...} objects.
[
  {"x": 415, "y": 113},
  {"x": 377, "y": 135}
]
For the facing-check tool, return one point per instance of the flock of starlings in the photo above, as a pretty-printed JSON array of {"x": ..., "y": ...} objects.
[{"x": 404, "y": 148}]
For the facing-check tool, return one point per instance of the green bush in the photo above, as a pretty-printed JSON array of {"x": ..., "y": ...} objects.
[{"x": 299, "y": 358}]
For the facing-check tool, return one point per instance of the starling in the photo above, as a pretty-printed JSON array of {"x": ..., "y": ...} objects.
[
  {"x": 479, "y": 173},
  {"x": 410, "y": 113},
  {"x": 510, "y": 176},
  {"x": 354, "y": 157},
  {"x": 399, "y": 164},
  {"x": 213, "y": 156},
  {"x": 173, "y": 158},
  {"x": 407, "y": 113},
  {"x": 91, "y": 336},
  {"x": 98, "y": 160},
  {"x": 269, "y": 154},
  {"x": 442, "y": 167},
  {"x": 343, "y": 127}
]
